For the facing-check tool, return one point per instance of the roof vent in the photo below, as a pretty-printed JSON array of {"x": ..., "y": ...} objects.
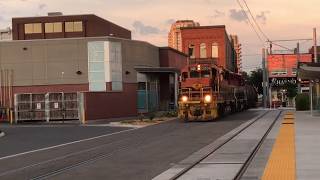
[{"x": 55, "y": 14}]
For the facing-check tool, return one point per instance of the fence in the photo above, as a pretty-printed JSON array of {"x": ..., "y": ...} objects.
[{"x": 47, "y": 107}]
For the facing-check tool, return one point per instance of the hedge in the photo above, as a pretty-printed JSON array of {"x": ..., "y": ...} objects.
[{"x": 303, "y": 102}]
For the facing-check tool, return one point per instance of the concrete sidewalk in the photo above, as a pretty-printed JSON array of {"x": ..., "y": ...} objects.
[{"x": 307, "y": 146}]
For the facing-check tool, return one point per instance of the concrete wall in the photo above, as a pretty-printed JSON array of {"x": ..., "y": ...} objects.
[
  {"x": 100, "y": 105},
  {"x": 56, "y": 62},
  {"x": 172, "y": 58}
]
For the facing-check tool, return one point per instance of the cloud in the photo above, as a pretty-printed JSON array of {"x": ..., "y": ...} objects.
[
  {"x": 170, "y": 21},
  {"x": 237, "y": 15},
  {"x": 143, "y": 29},
  {"x": 208, "y": 1},
  {"x": 262, "y": 17},
  {"x": 42, "y": 6},
  {"x": 218, "y": 14}
]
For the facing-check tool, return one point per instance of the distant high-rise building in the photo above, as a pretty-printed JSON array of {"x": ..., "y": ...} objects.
[
  {"x": 237, "y": 48},
  {"x": 174, "y": 37},
  {"x": 311, "y": 51},
  {"x": 6, "y": 34}
]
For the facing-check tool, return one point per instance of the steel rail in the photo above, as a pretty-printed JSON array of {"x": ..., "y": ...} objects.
[
  {"x": 215, "y": 149},
  {"x": 256, "y": 149},
  {"x": 87, "y": 161}
]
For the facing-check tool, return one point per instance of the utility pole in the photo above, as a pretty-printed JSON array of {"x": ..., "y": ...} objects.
[
  {"x": 315, "y": 45},
  {"x": 298, "y": 61},
  {"x": 264, "y": 78},
  {"x": 315, "y": 60}
]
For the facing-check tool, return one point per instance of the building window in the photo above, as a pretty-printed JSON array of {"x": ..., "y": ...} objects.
[
  {"x": 53, "y": 27},
  {"x": 105, "y": 66},
  {"x": 203, "y": 50},
  {"x": 73, "y": 26},
  {"x": 33, "y": 28},
  {"x": 215, "y": 50},
  {"x": 191, "y": 51},
  {"x": 294, "y": 71},
  {"x": 279, "y": 72}
]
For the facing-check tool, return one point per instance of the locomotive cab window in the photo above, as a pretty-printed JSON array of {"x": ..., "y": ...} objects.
[
  {"x": 194, "y": 74},
  {"x": 205, "y": 74}
]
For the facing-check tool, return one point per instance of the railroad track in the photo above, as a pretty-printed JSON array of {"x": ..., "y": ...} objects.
[
  {"x": 121, "y": 145},
  {"x": 98, "y": 153},
  {"x": 249, "y": 159}
]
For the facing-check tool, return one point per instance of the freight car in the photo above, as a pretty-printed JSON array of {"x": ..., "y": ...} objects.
[{"x": 208, "y": 91}]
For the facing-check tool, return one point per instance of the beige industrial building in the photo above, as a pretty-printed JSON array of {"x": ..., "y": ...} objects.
[
  {"x": 101, "y": 72},
  {"x": 38, "y": 63},
  {"x": 64, "y": 65},
  {"x": 96, "y": 72}
]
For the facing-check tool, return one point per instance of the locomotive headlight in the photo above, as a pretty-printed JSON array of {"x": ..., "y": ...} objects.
[
  {"x": 184, "y": 98},
  {"x": 207, "y": 98}
]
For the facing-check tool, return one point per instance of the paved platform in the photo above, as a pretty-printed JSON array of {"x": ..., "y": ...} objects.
[
  {"x": 307, "y": 146},
  {"x": 290, "y": 150},
  {"x": 295, "y": 151}
]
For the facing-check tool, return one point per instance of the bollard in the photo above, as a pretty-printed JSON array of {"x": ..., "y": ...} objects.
[{"x": 11, "y": 116}]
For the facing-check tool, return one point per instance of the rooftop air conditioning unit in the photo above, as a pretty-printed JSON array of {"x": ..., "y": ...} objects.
[{"x": 55, "y": 14}]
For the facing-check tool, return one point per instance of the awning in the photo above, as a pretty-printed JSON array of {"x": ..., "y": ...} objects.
[
  {"x": 309, "y": 71},
  {"x": 142, "y": 69}
]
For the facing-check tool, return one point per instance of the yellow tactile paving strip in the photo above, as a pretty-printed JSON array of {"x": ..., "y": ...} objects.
[{"x": 282, "y": 162}]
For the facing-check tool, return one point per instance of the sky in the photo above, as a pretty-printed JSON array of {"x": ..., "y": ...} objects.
[{"x": 150, "y": 20}]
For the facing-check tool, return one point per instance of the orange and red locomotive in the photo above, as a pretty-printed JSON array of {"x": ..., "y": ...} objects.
[{"x": 208, "y": 91}]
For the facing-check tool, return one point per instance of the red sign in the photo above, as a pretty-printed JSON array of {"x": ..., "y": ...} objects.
[{"x": 285, "y": 65}]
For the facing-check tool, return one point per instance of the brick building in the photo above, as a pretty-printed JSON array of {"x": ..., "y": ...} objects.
[
  {"x": 311, "y": 51},
  {"x": 56, "y": 25},
  {"x": 237, "y": 48},
  {"x": 209, "y": 43}
]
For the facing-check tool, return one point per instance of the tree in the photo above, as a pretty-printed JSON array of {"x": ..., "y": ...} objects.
[
  {"x": 245, "y": 76},
  {"x": 256, "y": 79},
  {"x": 292, "y": 89}
]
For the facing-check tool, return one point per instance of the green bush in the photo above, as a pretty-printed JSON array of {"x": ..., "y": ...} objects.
[
  {"x": 171, "y": 114},
  {"x": 302, "y": 102}
]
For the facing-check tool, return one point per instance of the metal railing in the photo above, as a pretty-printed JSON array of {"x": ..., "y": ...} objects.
[{"x": 194, "y": 95}]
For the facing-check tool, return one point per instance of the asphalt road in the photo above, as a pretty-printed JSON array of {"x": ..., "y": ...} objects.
[
  {"x": 134, "y": 154},
  {"x": 22, "y": 138}
]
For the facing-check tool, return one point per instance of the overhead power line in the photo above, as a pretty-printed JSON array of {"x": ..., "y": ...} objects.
[
  {"x": 257, "y": 25},
  {"x": 284, "y": 47},
  {"x": 251, "y": 54},
  {"x": 254, "y": 20},
  {"x": 249, "y": 22},
  {"x": 287, "y": 40}
]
